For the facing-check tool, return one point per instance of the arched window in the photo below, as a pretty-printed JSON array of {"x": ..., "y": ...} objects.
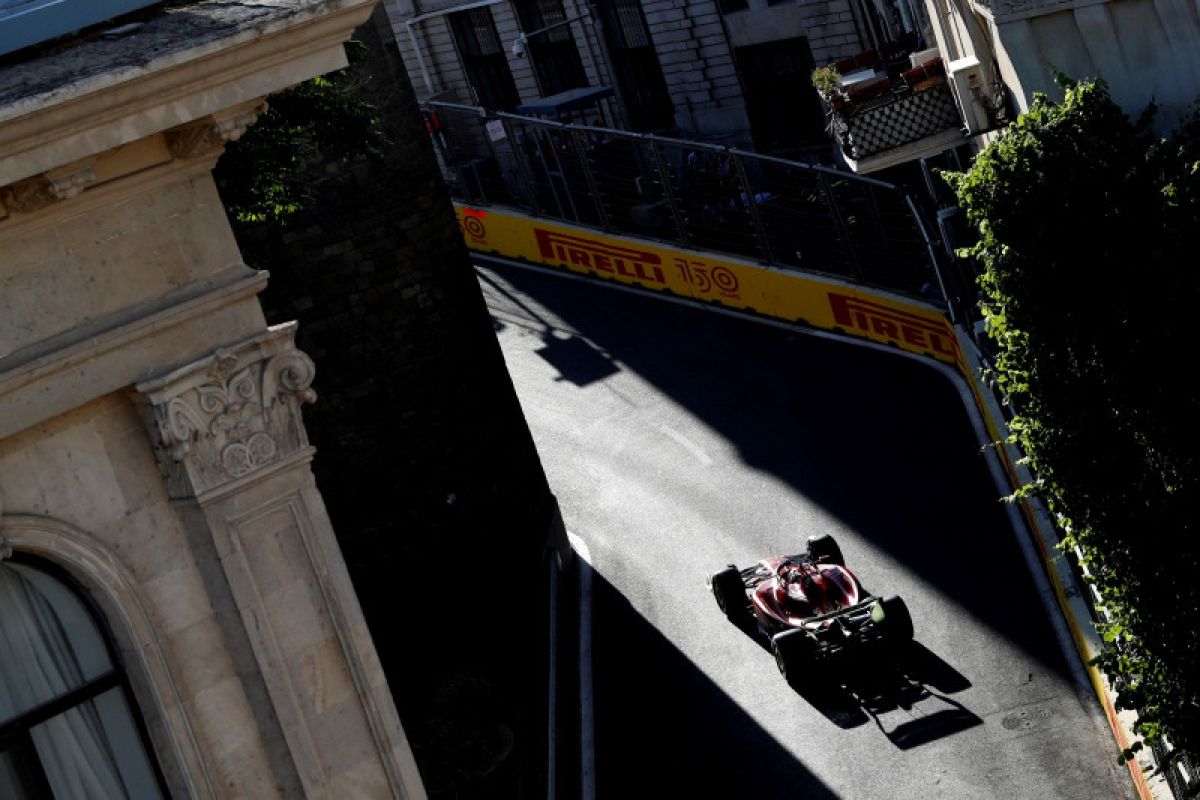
[{"x": 68, "y": 728}]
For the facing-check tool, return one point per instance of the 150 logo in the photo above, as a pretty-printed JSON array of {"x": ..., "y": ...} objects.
[{"x": 706, "y": 277}]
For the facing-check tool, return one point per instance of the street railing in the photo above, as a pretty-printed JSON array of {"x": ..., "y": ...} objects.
[{"x": 703, "y": 196}]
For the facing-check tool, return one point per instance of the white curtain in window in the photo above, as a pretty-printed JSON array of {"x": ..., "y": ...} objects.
[{"x": 40, "y": 662}]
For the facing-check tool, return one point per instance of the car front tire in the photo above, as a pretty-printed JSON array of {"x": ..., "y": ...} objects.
[
  {"x": 824, "y": 548},
  {"x": 730, "y": 592}
]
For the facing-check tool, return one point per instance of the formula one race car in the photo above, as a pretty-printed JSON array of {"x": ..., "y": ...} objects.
[{"x": 811, "y": 608}]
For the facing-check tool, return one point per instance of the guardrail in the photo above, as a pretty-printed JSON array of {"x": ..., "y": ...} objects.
[{"x": 698, "y": 195}]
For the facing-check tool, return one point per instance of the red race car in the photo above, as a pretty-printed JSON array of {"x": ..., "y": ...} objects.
[{"x": 811, "y": 608}]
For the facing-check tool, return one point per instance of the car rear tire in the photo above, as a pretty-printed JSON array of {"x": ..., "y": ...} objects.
[
  {"x": 824, "y": 548},
  {"x": 730, "y": 592},
  {"x": 795, "y": 655},
  {"x": 897, "y": 622}
]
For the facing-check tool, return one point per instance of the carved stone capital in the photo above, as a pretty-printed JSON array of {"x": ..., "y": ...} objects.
[
  {"x": 231, "y": 414},
  {"x": 208, "y": 135}
]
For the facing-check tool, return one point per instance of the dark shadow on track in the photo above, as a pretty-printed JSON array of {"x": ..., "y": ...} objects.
[
  {"x": 576, "y": 360},
  {"x": 912, "y": 681},
  {"x": 867, "y": 685},
  {"x": 688, "y": 739}
]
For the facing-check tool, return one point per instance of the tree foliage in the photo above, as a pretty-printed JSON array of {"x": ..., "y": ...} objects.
[
  {"x": 271, "y": 171},
  {"x": 1089, "y": 229}
]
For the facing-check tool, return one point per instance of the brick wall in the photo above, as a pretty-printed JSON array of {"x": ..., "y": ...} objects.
[{"x": 424, "y": 457}]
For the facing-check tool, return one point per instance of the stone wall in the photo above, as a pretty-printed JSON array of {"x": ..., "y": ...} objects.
[
  {"x": 832, "y": 31},
  {"x": 698, "y": 66},
  {"x": 426, "y": 463},
  {"x": 151, "y": 444}
]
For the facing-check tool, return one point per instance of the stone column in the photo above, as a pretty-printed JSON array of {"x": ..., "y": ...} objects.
[{"x": 232, "y": 448}]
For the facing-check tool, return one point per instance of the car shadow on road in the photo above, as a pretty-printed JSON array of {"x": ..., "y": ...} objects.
[
  {"x": 913, "y": 680},
  {"x": 906, "y": 695}
]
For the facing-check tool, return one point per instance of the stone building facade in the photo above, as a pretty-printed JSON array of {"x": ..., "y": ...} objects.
[
  {"x": 733, "y": 71},
  {"x": 1146, "y": 51},
  {"x": 177, "y": 615},
  {"x": 425, "y": 461}
]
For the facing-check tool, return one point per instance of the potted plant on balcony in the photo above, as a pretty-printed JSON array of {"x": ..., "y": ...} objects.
[
  {"x": 924, "y": 75},
  {"x": 828, "y": 83}
]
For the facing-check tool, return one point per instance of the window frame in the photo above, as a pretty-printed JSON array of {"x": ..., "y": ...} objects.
[
  {"x": 557, "y": 64},
  {"x": 19, "y": 728},
  {"x": 487, "y": 73}
]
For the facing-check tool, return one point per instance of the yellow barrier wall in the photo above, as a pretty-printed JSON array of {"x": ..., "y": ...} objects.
[{"x": 823, "y": 303}]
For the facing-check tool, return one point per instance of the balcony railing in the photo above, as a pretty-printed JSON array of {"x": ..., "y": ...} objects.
[
  {"x": 890, "y": 106},
  {"x": 896, "y": 119}
]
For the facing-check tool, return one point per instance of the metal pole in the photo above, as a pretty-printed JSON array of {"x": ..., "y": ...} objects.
[
  {"x": 937, "y": 271},
  {"x": 523, "y": 168},
  {"x": 412, "y": 35},
  {"x": 562, "y": 175},
  {"x": 843, "y": 233},
  {"x": 537, "y": 139},
  {"x": 597, "y": 199},
  {"x": 752, "y": 207},
  {"x": 665, "y": 177}
]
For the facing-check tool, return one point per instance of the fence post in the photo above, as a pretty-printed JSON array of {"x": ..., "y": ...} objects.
[
  {"x": 752, "y": 207},
  {"x": 843, "y": 234},
  {"x": 667, "y": 192},
  {"x": 937, "y": 270},
  {"x": 597, "y": 198},
  {"x": 561, "y": 174},
  {"x": 541, "y": 157},
  {"x": 523, "y": 168}
]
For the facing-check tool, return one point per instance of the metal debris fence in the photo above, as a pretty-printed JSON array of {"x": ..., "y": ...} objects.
[{"x": 698, "y": 195}]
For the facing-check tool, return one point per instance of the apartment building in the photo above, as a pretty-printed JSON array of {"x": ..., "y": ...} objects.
[{"x": 731, "y": 71}]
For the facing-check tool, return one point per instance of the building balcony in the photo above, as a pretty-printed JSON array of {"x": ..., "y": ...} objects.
[{"x": 887, "y": 112}]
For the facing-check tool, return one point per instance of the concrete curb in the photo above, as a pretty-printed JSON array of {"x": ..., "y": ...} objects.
[{"x": 1075, "y": 612}]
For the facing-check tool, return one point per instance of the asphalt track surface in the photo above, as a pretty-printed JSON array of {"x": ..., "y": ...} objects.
[{"x": 678, "y": 441}]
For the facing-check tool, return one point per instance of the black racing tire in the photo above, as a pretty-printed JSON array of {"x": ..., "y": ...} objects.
[
  {"x": 795, "y": 655},
  {"x": 824, "y": 548},
  {"x": 897, "y": 624},
  {"x": 730, "y": 592}
]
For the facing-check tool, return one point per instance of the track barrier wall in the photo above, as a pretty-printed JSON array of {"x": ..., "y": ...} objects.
[
  {"x": 698, "y": 196},
  {"x": 824, "y": 303}
]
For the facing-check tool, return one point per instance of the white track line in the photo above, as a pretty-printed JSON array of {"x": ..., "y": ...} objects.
[{"x": 587, "y": 721}]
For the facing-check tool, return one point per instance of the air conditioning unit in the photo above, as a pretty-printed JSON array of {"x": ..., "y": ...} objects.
[{"x": 966, "y": 76}]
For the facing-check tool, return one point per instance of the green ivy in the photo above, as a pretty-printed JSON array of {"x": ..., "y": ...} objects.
[
  {"x": 1088, "y": 236},
  {"x": 269, "y": 173}
]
